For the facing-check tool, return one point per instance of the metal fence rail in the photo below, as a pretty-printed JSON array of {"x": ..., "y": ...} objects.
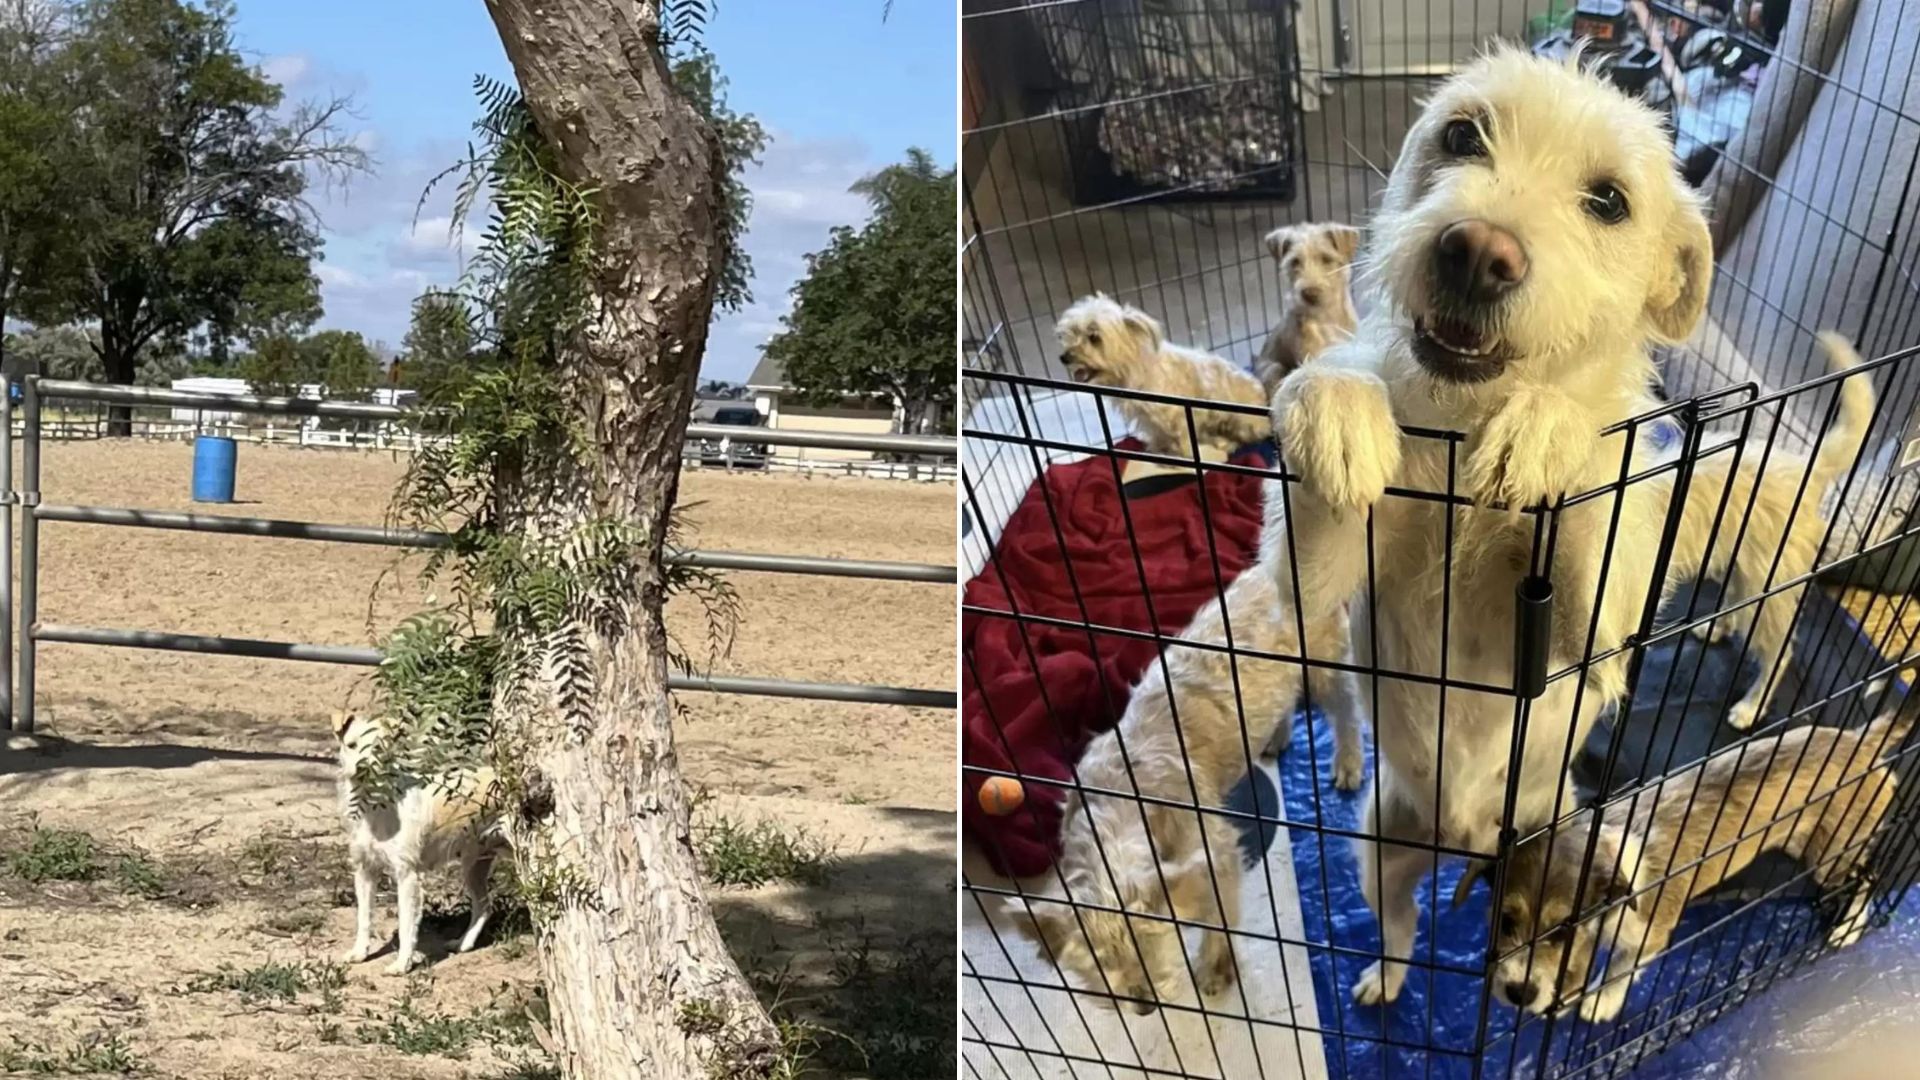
[
  {"x": 278, "y": 528},
  {"x": 31, "y": 632},
  {"x": 169, "y": 641}
]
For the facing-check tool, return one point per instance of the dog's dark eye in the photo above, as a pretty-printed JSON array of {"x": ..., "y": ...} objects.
[
  {"x": 1607, "y": 203},
  {"x": 1094, "y": 340},
  {"x": 1461, "y": 138},
  {"x": 1507, "y": 926}
]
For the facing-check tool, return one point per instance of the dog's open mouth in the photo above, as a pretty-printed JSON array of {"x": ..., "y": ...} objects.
[{"x": 1456, "y": 349}]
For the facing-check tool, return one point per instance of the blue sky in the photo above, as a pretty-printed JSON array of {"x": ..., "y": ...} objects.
[{"x": 841, "y": 93}]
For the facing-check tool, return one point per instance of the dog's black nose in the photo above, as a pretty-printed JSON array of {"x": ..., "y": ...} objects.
[
  {"x": 1479, "y": 261},
  {"x": 1310, "y": 296},
  {"x": 1521, "y": 993}
]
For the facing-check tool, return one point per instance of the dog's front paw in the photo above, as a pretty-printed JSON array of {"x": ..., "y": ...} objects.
[
  {"x": 1534, "y": 450},
  {"x": 1379, "y": 984},
  {"x": 1605, "y": 1003},
  {"x": 358, "y": 954},
  {"x": 1742, "y": 715},
  {"x": 402, "y": 964},
  {"x": 1349, "y": 768},
  {"x": 1854, "y": 923},
  {"x": 1215, "y": 974},
  {"x": 1336, "y": 428}
]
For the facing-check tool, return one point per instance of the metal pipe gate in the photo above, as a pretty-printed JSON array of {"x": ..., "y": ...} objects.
[{"x": 19, "y": 714}]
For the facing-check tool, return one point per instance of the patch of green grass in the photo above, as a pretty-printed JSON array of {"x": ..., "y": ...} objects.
[
  {"x": 104, "y": 1052},
  {"x": 72, "y": 855},
  {"x": 503, "y": 1021},
  {"x": 139, "y": 875},
  {"x": 57, "y": 855},
  {"x": 528, "y": 1070},
  {"x": 894, "y": 1009},
  {"x": 712, "y": 1021},
  {"x": 266, "y": 856},
  {"x": 752, "y": 854},
  {"x": 272, "y": 981}
]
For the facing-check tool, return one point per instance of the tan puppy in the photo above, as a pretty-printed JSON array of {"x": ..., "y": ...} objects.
[
  {"x": 1108, "y": 343},
  {"x": 1206, "y": 752},
  {"x": 1815, "y": 793},
  {"x": 429, "y": 825},
  {"x": 1316, "y": 298},
  {"x": 1778, "y": 509}
]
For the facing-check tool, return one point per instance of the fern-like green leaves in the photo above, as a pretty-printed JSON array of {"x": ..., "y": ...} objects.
[{"x": 523, "y": 607}]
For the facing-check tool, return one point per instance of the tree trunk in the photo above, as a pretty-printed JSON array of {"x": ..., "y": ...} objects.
[
  {"x": 118, "y": 364},
  {"x": 640, "y": 983}
]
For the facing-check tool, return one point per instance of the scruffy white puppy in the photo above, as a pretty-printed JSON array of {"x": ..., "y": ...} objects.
[
  {"x": 426, "y": 827},
  {"x": 1817, "y": 794},
  {"x": 1108, "y": 343},
  {"x": 1534, "y": 241},
  {"x": 1182, "y": 734},
  {"x": 1769, "y": 527},
  {"x": 1316, "y": 297}
]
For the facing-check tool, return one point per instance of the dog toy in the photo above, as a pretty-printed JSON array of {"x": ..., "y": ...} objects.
[{"x": 1001, "y": 795}]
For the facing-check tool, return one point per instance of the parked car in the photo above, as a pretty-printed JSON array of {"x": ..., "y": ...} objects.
[{"x": 731, "y": 452}]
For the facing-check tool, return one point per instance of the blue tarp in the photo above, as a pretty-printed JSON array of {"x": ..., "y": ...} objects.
[{"x": 1738, "y": 940}]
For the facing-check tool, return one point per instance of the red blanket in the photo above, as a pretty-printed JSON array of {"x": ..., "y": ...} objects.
[{"x": 1033, "y": 694}]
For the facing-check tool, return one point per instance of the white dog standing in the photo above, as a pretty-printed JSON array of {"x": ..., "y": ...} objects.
[
  {"x": 1107, "y": 343},
  {"x": 1533, "y": 242},
  {"x": 425, "y": 827}
]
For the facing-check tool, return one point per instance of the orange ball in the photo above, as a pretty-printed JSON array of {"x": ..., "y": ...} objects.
[{"x": 1001, "y": 795}]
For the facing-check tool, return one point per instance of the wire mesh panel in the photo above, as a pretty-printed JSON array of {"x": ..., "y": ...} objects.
[
  {"x": 1182, "y": 856},
  {"x": 1178, "y": 100}
]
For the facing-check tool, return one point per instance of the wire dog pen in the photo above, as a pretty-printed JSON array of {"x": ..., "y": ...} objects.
[{"x": 1087, "y": 555}]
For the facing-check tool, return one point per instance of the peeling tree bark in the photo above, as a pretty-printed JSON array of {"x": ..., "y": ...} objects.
[{"x": 641, "y": 984}]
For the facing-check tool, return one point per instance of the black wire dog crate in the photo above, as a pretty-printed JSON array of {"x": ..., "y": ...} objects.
[{"x": 1087, "y": 556}]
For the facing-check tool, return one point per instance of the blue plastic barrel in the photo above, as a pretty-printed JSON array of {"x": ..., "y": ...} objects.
[{"x": 213, "y": 459}]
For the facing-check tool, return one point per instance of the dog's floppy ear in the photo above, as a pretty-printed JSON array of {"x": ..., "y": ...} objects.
[
  {"x": 1476, "y": 869},
  {"x": 1280, "y": 241},
  {"x": 341, "y": 722},
  {"x": 1680, "y": 295},
  {"x": 1346, "y": 241},
  {"x": 1145, "y": 326}
]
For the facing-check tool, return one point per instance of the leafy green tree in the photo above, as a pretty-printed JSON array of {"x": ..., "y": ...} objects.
[
  {"x": 874, "y": 314},
  {"x": 188, "y": 201},
  {"x": 347, "y": 367},
  {"x": 273, "y": 368},
  {"x": 58, "y": 352},
  {"x": 35, "y": 140},
  {"x": 438, "y": 348},
  {"x": 591, "y": 296}
]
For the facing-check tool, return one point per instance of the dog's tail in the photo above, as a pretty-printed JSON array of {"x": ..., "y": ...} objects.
[{"x": 1849, "y": 430}]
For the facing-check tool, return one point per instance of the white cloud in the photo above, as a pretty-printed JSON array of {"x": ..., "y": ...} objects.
[
  {"x": 432, "y": 241},
  {"x": 800, "y": 193},
  {"x": 381, "y": 256},
  {"x": 288, "y": 70},
  {"x": 338, "y": 277}
]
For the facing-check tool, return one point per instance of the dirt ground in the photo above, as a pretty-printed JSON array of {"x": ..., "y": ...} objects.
[{"x": 208, "y": 788}]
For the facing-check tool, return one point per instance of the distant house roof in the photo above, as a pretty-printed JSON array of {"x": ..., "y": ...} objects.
[
  {"x": 705, "y": 409},
  {"x": 768, "y": 375}
]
